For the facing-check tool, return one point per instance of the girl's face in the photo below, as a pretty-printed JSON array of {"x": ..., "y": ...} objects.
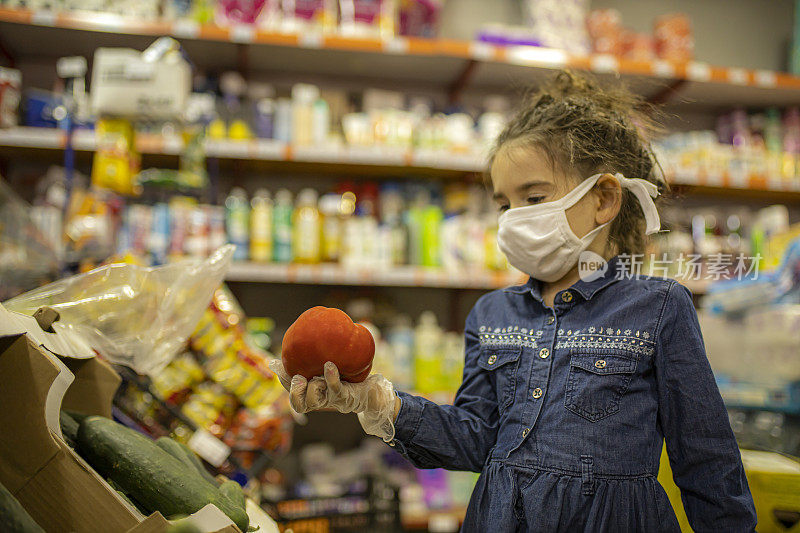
[{"x": 522, "y": 175}]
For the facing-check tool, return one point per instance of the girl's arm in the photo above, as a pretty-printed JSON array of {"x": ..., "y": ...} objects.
[
  {"x": 458, "y": 436},
  {"x": 702, "y": 450}
]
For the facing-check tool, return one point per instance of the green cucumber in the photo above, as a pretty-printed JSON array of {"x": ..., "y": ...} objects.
[
  {"x": 76, "y": 416},
  {"x": 69, "y": 428},
  {"x": 184, "y": 526},
  {"x": 147, "y": 473},
  {"x": 198, "y": 464},
  {"x": 175, "y": 450},
  {"x": 234, "y": 491},
  {"x": 13, "y": 516}
]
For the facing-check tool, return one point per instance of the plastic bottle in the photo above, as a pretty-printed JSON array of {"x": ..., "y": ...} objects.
[
  {"x": 282, "y": 227},
  {"x": 401, "y": 339},
  {"x": 320, "y": 122},
  {"x": 303, "y": 98},
  {"x": 452, "y": 361},
  {"x": 427, "y": 354},
  {"x": 283, "y": 120},
  {"x": 307, "y": 228},
  {"x": 237, "y": 222},
  {"x": 263, "y": 110},
  {"x": 261, "y": 226},
  {"x": 431, "y": 232},
  {"x": 331, "y": 226}
]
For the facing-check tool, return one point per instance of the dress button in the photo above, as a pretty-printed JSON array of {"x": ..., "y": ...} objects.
[
  {"x": 492, "y": 359},
  {"x": 566, "y": 296},
  {"x": 600, "y": 363},
  {"x": 544, "y": 353},
  {"x": 525, "y": 432},
  {"x": 391, "y": 443},
  {"x": 537, "y": 393},
  {"x": 550, "y": 320}
]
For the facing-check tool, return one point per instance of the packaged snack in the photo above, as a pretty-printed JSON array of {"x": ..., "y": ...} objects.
[
  {"x": 367, "y": 18},
  {"x": 605, "y": 31},
  {"x": 317, "y": 16},
  {"x": 10, "y": 87},
  {"x": 419, "y": 18},
  {"x": 674, "y": 37},
  {"x": 116, "y": 162}
]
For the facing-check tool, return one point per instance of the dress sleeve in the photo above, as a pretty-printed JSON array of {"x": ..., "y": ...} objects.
[
  {"x": 458, "y": 436},
  {"x": 702, "y": 450}
]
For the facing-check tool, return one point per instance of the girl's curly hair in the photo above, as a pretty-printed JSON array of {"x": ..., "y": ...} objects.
[{"x": 584, "y": 129}]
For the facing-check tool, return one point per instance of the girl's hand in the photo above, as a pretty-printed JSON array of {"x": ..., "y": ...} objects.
[{"x": 373, "y": 399}]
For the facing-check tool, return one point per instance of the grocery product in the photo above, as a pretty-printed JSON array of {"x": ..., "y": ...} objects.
[
  {"x": 261, "y": 226},
  {"x": 13, "y": 517},
  {"x": 306, "y": 228},
  {"x": 282, "y": 227},
  {"x": 237, "y": 222},
  {"x": 154, "y": 478},
  {"x": 324, "y": 334},
  {"x": 69, "y": 428},
  {"x": 233, "y": 491}
]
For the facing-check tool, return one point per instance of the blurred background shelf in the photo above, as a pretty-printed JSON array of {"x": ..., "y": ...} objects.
[
  {"x": 430, "y": 62},
  {"x": 365, "y": 161}
]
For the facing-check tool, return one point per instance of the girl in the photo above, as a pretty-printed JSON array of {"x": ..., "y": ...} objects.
[{"x": 572, "y": 381}]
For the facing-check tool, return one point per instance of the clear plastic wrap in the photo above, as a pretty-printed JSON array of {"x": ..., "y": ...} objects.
[
  {"x": 134, "y": 316},
  {"x": 26, "y": 257}
]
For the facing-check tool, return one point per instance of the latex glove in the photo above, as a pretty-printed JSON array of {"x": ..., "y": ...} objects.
[{"x": 373, "y": 400}]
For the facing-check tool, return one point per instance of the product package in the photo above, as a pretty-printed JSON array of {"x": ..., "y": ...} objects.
[
  {"x": 367, "y": 18},
  {"x": 10, "y": 87},
  {"x": 674, "y": 37},
  {"x": 420, "y": 18},
  {"x": 316, "y": 16}
]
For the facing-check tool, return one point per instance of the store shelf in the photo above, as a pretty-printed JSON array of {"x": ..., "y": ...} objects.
[
  {"x": 436, "y": 62},
  {"x": 399, "y": 276},
  {"x": 364, "y": 160},
  {"x": 370, "y": 161}
]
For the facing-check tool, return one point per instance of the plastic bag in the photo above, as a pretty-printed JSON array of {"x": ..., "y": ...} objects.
[
  {"x": 26, "y": 256},
  {"x": 132, "y": 315}
]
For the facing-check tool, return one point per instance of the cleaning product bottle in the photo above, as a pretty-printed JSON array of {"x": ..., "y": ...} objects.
[
  {"x": 303, "y": 98},
  {"x": 452, "y": 361},
  {"x": 307, "y": 228},
  {"x": 261, "y": 226},
  {"x": 320, "y": 122},
  {"x": 237, "y": 222},
  {"x": 401, "y": 339},
  {"x": 331, "y": 226},
  {"x": 427, "y": 354},
  {"x": 282, "y": 227},
  {"x": 432, "y": 218}
]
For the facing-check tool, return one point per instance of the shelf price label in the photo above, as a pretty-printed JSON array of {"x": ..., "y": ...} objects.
[
  {"x": 43, "y": 17},
  {"x": 187, "y": 29},
  {"x": 765, "y": 78},
  {"x": 663, "y": 69},
  {"x": 604, "y": 63},
  {"x": 738, "y": 76},
  {"x": 398, "y": 45},
  {"x": 481, "y": 51},
  {"x": 242, "y": 33},
  {"x": 697, "y": 71},
  {"x": 310, "y": 39}
]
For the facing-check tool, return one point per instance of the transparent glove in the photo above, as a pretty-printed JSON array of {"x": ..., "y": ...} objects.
[{"x": 373, "y": 399}]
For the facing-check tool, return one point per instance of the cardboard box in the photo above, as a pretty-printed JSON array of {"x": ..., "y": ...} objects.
[{"x": 54, "y": 484}]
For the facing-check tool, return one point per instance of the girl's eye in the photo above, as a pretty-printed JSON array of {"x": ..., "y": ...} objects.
[
  {"x": 535, "y": 199},
  {"x": 502, "y": 208}
]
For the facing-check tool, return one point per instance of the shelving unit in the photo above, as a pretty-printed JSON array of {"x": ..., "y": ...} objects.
[
  {"x": 435, "y": 62},
  {"x": 367, "y": 161}
]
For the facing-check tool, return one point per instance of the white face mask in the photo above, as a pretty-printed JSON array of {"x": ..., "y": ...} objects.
[{"x": 537, "y": 239}]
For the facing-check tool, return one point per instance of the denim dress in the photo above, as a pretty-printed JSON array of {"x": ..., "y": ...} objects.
[{"x": 564, "y": 412}]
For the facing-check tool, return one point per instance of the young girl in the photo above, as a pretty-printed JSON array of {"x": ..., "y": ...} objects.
[{"x": 572, "y": 381}]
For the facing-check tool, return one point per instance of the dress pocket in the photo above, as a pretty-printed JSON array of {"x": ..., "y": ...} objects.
[
  {"x": 501, "y": 365},
  {"x": 598, "y": 379}
]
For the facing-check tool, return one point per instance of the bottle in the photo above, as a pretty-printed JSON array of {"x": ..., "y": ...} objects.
[
  {"x": 303, "y": 98},
  {"x": 427, "y": 354},
  {"x": 320, "y": 122},
  {"x": 283, "y": 120},
  {"x": 261, "y": 226},
  {"x": 401, "y": 339},
  {"x": 237, "y": 222},
  {"x": 331, "y": 226},
  {"x": 452, "y": 361},
  {"x": 262, "y": 104},
  {"x": 431, "y": 231},
  {"x": 159, "y": 234},
  {"x": 282, "y": 227},
  {"x": 307, "y": 228}
]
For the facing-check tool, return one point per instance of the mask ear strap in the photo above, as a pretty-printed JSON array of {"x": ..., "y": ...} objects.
[{"x": 644, "y": 191}]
